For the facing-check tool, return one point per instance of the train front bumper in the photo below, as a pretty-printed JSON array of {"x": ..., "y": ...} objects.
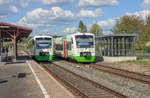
[
  {"x": 84, "y": 59},
  {"x": 44, "y": 58}
]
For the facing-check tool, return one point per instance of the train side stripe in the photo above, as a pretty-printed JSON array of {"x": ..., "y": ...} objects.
[{"x": 64, "y": 49}]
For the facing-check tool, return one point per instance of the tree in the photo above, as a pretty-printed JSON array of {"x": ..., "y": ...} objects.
[
  {"x": 132, "y": 25},
  {"x": 129, "y": 25},
  {"x": 144, "y": 35},
  {"x": 96, "y": 29},
  {"x": 82, "y": 28},
  {"x": 147, "y": 26}
]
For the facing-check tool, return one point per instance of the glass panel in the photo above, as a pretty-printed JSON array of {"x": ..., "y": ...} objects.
[
  {"x": 84, "y": 41},
  {"x": 43, "y": 43}
]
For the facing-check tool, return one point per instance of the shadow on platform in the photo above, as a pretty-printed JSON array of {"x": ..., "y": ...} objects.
[
  {"x": 19, "y": 76},
  {"x": 20, "y": 59}
]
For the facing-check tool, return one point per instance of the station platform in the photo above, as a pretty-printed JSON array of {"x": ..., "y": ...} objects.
[{"x": 26, "y": 79}]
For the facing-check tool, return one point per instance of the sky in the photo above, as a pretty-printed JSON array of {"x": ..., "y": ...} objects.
[{"x": 61, "y": 17}]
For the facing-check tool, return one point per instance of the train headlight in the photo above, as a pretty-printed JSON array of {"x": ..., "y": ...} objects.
[
  {"x": 44, "y": 53},
  {"x": 85, "y": 54}
]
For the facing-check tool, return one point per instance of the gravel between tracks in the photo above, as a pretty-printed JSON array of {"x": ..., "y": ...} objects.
[
  {"x": 140, "y": 68},
  {"x": 85, "y": 87},
  {"x": 130, "y": 88}
]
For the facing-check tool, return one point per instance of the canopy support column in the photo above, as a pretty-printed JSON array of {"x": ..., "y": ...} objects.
[
  {"x": 16, "y": 34},
  {"x": 15, "y": 54}
]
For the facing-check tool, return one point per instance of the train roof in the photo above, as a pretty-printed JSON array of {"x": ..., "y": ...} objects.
[
  {"x": 79, "y": 33},
  {"x": 42, "y": 36}
]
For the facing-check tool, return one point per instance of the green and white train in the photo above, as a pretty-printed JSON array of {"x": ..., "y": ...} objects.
[
  {"x": 79, "y": 47},
  {"x": 41, "y": 48}
]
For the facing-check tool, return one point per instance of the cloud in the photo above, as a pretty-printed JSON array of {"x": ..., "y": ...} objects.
[
  {"x": 24, "y": 4},
  {"x": 12, "y": 7},
  {"x": 5, "y": 2},
  {"x": 146, "y": 4},
  {"x": 108, "y": 24},
  {"x": 56, "y": 2},
  {"x": 6, "y": 11},
  {"x": 66, "y": 31},
  {"x": 90, "y": 14},
  {"x": 143, "y": 14},
  {"x": 96, "y": 3},
  {"x": 43, "y": 18},
  {"x": 69, "y": 30},
  {"x": 33, "y": 1}
]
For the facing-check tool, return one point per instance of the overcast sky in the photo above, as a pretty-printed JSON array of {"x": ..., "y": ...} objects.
[{"x": 62, "y": 17}]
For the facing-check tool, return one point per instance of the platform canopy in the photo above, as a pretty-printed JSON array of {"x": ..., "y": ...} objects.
[
  {"x": 11, "y": 30},
  {"x": 14, "y": 32}
]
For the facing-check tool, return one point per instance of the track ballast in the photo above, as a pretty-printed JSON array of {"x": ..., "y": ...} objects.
[{"x": 84, "y": 87}]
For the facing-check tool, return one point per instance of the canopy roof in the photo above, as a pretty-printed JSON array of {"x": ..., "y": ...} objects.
[{"x": 10, "y": 30}]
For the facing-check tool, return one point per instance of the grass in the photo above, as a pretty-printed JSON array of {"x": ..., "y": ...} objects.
[
  {"x": 139, "y": 61},
  {"x": 144, "y": 50}
]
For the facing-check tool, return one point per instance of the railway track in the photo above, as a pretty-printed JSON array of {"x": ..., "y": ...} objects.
[
  {"x": 120, "y": 72},
  {"x": 124, "y": 73},
  {"x": 84, "y": 87}
]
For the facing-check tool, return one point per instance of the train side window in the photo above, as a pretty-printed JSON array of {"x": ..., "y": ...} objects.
[
  {"x": 59, "y": 47},
  {"x": 71, "y": 41},
  {"x": 69, "y": 45}
]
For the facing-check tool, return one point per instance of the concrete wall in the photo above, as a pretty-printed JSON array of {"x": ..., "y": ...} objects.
[{"x": 118, "y": 59}]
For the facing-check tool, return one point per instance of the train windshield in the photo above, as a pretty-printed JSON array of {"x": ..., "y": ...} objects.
[
  {"x": 43, "y": 43},
  {"x": 84, "y": 41}
]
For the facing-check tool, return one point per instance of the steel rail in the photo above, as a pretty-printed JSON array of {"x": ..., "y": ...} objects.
[
  {"x": 119, "y": 72},
  {"x": 124, "y": 73},
  {"x": 85, "y": 79}
]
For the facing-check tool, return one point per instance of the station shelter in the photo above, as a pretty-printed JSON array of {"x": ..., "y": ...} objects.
[
  {"x": 116, "y": 47},
  {"x": 13, "y": 32}
]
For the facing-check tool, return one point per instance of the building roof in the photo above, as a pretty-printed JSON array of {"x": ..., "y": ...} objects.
[
  {"x": 7, "y": 30},
  {"x": 117, "y": 35}
]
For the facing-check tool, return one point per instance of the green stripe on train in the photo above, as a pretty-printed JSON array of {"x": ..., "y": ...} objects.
[
  {"x": 79, "y": 59},
  {"x": 44, "y": 58},
  {"x": 83, "y": 59}
]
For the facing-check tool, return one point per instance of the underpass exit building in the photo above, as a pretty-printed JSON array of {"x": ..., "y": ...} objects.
[
  {"x": 15, "y": 33},
  {"x": 116, "y": 47}
]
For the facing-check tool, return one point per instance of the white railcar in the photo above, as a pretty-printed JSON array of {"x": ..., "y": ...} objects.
[
  {"x": 41, "y": 48},
  {"x": 79, "y": 47}
]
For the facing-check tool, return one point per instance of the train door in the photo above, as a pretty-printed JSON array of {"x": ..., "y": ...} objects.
[
  {"x": 72, "y": 47},
  {"x": 64, "y": 49},
  {"x": 69, "y": 52}
]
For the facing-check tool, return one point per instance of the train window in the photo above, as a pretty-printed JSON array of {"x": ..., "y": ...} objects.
[
  {"x": 69, "y": 45},
  {"x": 43, "y": 43},
  {"x": 59, "y": 47},
  {"x": 84, "y": 41},
  {"x": 71, "y": 40}
]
